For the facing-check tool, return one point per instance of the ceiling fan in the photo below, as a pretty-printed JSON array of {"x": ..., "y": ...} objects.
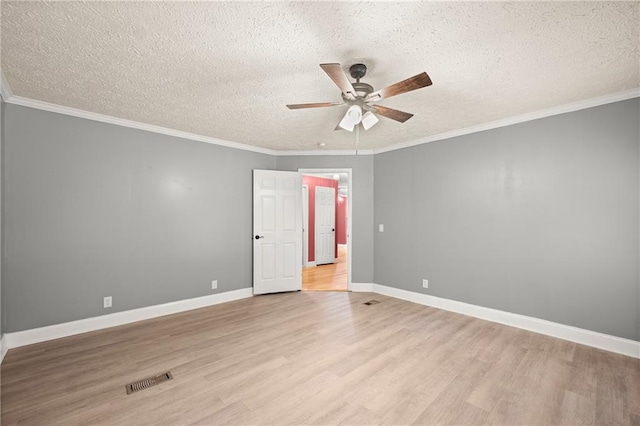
[{"x": 362, "y": 99}]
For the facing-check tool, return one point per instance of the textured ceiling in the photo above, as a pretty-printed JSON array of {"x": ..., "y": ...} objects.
[{"x": 227, "y": 69}]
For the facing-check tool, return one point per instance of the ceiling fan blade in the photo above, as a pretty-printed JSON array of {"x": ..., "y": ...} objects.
[
  {"x": 314, "y": 105},
  {"x": 391, "y": 113},
  {"x": 334, "y": 71},
  {"x": 416, "y": 82}
]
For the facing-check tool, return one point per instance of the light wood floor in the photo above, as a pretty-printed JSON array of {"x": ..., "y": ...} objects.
[
  {"x": 319, "y": 358},
  {"x": 331, "y": 277}
]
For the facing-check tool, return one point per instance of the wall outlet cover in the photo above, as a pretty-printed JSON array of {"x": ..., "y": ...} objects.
[
  {"x": 381, "y": 227},
  {"x": 214, "y": 284},
  {"x": 425, "y": 283},
  {"x": 107, "y": 302}
]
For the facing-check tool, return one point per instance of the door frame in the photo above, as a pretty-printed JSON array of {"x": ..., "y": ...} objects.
[
  {"x": 349, "y": 173},
  {"x": 305, "y": 225}
]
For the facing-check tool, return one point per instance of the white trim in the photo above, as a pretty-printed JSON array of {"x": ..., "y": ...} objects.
[
  {"x": 362, "y": 287},
  {"x": 45, "y": 106},
  {"x": 349, "y": 173},
  {"x": 574, "y": 334},
  {"x": 8, "y": 97},
  {"x": 566, "y": 332},
  {"x": 561, "y": 109},
  {"x": 289, "y": 153},
  {"x": 313, "y": 263},
  {"x": 3, "y": 347},
  {"x": 57, "y": 331},
  {"x": 305, "y": 226},
  {"x": 5, "y": 89}
]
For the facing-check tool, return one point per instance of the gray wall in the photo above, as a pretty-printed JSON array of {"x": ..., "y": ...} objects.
[
  {"x": 539, "y": 218},
  {"x": 362, "y": 199},
  {"x": 95, "y": 210}
]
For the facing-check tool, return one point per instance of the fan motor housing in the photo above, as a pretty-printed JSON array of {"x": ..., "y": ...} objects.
[
  {"x": 362, "y": 89},
  {"x": 358, "y": 71}
]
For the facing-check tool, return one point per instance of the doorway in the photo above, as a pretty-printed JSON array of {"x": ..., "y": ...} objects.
[{"x": 327, "y": 241}]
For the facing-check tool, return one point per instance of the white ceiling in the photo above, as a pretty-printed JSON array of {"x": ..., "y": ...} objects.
[{"x": 227, "y": 69}]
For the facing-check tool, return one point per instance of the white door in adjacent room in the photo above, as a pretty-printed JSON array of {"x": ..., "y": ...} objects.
[
  {"x": 277, "y": 231},
  {"x": 305, "y": 225},
  {"x": 325, "y": 225}
]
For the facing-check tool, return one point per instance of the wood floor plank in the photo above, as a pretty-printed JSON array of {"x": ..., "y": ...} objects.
[
  {"x": 318, "y": 358},
  {"x": 329, "y": 277}
]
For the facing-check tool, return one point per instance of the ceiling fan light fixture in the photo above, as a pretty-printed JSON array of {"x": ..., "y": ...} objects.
[
  {"x": 352, "y": 118},
  {"x": 369, "y": 120},
  {"x": 345, "y": 125},
  {"x": 363, "y": 95}
]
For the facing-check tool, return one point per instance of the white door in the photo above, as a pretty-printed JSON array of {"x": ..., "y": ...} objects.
[
  {"x": 325, "y": 225},
  {"x": 277, "y": 231}
]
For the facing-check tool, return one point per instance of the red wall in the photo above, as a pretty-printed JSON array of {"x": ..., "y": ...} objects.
[
  {"x": 312, "y": 182},
  {"x": 341, "y": 220}
]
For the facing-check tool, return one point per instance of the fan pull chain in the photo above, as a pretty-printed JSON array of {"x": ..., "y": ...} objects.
[{"x": 357, "y": 137}]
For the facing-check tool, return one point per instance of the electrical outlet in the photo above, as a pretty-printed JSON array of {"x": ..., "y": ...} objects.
[
  {"x": 381, "y": 227},
  {"x": 214, "y": 284},
  {"x": 425, "y": 283},
  {"x": 107, "y": 302}
]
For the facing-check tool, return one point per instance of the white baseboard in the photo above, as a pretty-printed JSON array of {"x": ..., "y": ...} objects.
[
  {"x": 311, "y": 263},
  {"x": 3, "y": 347},
  {"x": 574, "y": 334},
  {"x": 362, "y": 287},
  {"x": 566, "y": 332},
  {"x": 36, "y": 335}
]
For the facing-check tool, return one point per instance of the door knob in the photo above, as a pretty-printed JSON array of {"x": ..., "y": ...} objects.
[{"x": 259, "y": 236}]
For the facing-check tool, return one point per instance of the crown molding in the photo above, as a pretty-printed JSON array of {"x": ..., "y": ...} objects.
[
  {"x": 561, "y": 109},
  {"x": 46, "y": 106},
  {"x": 8, "y": 97},
  {"x": 327, "y": 152},
  {"x": 5, "y": 89}
]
